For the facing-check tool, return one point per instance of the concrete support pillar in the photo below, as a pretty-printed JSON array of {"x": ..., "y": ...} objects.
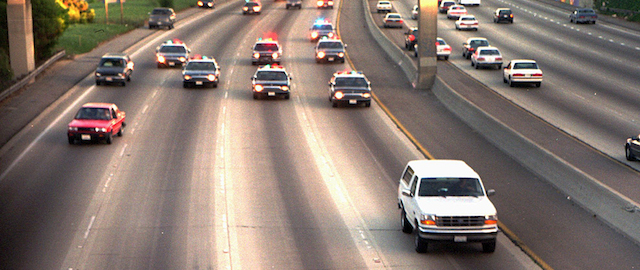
[
  {"x": 427, "y": 34},
  {"x": 21, "y": 49}
]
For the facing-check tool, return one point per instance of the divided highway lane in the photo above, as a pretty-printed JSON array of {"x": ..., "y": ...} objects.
[
  {"x": 577, "y": 252},
  {"x": 212, "y": 179}
]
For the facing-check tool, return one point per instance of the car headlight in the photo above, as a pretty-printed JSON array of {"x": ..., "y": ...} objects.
[
  {"x": 256, "y": 55},
  {"x": 274, "y": 55},
  {"x": 330, "y": 35},
  {"x": 120, "y": 75},
  {"x": 98, "y": 74},
  {"x": 161, "y": 59},
  {"x": 285, "y": 88},
  {"x": 187, "y": 77},
  {"x": 73, "y": 129},
  {"x": 366, "y": 95},
  {"x": 245, "y": 8},
  {"x": 314, "y": 35},
  {"x": 340, "y": 54},
  {"x": 321, "y": 54},
  {"x": 211, "y": 77},
  {"x": 200, "y": 3},
  {"x": 182, "y": 59},
  {"x": 491, "y": 219},
  {"x": 258, "y": 87},
  {"x": 320, "y": 3},
  {"x": 256, "y": 8},
  {"x": 338, "y": 95},
  {"x": 427, "y": 219},
  {"x": 101, "y": 130}
]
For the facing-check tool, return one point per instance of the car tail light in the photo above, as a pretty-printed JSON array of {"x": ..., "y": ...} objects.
[
  {"x": 258, "y": 87},
  {"x": 518, "y": 75},
  {"x": 498, "y": 58},
  {"x": 510, "y": 15},
  {"x": 330, "y": 3},
  {"x": 211, "y": 77},
  {"x": 245, "y": 8},
  {"x": 480, "y": 58},
  {"x": 400, "y": 21},
  {"x": 314, "y": 35},
  {"x": 338, "y": 95},
  {"x": 321, "y": 54},
  {"x": 447, "y": 48},
  {"x": 274, "y": 55},
  {"x": 161, "y": 59},
  {"x": 256, "y": 9},
  {"x": 472, "y": 49},
  {"x": 412, "y": 38},
  {"x": 256, "y": 55},
  {"x": 536, "y": 75}
]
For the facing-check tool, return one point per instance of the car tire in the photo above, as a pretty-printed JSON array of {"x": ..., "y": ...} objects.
[
  {"x": 287, "y": 96},
  {"x": 123, "y": 84},
  {"x": 73, "y": 141},
  {"x": 421, "y": 244},
  {"x": 627, "y": 151},
  {"x": 504, "y": 80},
  {"x": 215, "y": 85},
  {"x": 511, "y": 83},
  {"x": 404, "y": 222},
  {"x": 160, "y": 65},
  {"x": 472, "y": 63},
  {"x": 121, "y": 131},
  {"x": 477, "y": 66},
  {"x": 334, "y": 104},
  {"x": 538, "y": 84},
  {"x": 367, "y": 104},
  {"x": 97, "y": 82},
  {"x": 489, "y": 247},
  {"x": 185, "y": 85},
  {"x": 108, "y": 139},
  {"x": 255, "y": 96}
]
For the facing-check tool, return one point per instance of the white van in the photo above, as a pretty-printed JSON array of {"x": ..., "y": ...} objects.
[{"x": 445, "y": 200}]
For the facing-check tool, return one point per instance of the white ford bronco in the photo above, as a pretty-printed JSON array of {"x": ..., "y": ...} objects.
[{"x": 445, "y": 200}]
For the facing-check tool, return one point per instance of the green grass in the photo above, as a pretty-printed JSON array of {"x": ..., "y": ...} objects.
[{"x": 82, "y": 38}]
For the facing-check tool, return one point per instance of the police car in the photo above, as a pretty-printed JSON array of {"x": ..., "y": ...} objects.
[
  {"x": 321, "y": 28},
  {"x": 201, "y": 71},
  {"x": 172, "y": 53},
  {"x": 349, "y": 87},
  {"x": 271, "y": 81},
  {"x": 330, "y": 50},
  {"x": 266, "y": 51}
]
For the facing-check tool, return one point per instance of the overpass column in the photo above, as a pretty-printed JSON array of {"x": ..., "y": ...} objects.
[
  {"x": 20, "y": 24},
  {"x": 427, "y": 34}
]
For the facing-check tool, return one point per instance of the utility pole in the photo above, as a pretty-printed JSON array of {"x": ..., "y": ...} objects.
[{"x": 20, "y": 27}]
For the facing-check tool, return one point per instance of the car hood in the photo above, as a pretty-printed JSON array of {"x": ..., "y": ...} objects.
[
  {"x": 172, "y": 54},
  {"x": 351, "y": 88},
  {"x": 110, "y": 69},
  {"x": 331, "y": 50},
  {"x": 89, "y": 123},
  {"x": 456, "y": 206}
]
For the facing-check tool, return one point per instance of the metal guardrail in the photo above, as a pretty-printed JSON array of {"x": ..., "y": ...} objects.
[{"x": 24, "y": 81}]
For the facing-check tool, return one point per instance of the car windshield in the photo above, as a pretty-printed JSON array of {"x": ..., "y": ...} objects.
[
  {"x": 468, "y": 18},
  {"x": 161, "y": 12},
  {"x": 384, "y": 3},
  {"x": 200, "y": 66},
  {"x": 446, "y": 4},
  {"x": 358, "y": 82},
  {"x": 440, "y": 42},
  {"x": 322, "y": 27},
  {"x": 173, "y": 49},
  {"x": 250, "y": 4},
  {"x": 272, "y": 47},
  {"x": 330, "y": 45},
  {"x": 586, "y": 11},
  {"x": 110, "y": 62},
  {"x": 505, "y": 12},
  {"x": 271, "y": 76},
  {"x": 489, "y": 52},
  {"x": 450, "y": 187},
  {"x": 93, "y": 114},
  {"x": 525, "y": 66},
  {"x": 478, "y": 43},
  {"x": 393, "y": 16}
]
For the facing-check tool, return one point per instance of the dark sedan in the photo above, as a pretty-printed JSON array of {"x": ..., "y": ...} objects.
[
  {"x": 114, "y": 68},
  {"x": 632, "y": 148}
]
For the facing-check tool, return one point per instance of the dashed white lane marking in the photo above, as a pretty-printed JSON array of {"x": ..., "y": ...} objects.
[{"x": 86, "y": 233}]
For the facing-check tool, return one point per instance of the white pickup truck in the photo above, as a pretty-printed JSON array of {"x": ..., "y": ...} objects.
[{"x": 445, "y": 200}]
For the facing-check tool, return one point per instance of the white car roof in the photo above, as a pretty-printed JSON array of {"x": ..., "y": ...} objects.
[
  {"x": 467, "y": 16},
  {"x": 523, "y": 61},
  {"x": 442, "y": 168}
]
